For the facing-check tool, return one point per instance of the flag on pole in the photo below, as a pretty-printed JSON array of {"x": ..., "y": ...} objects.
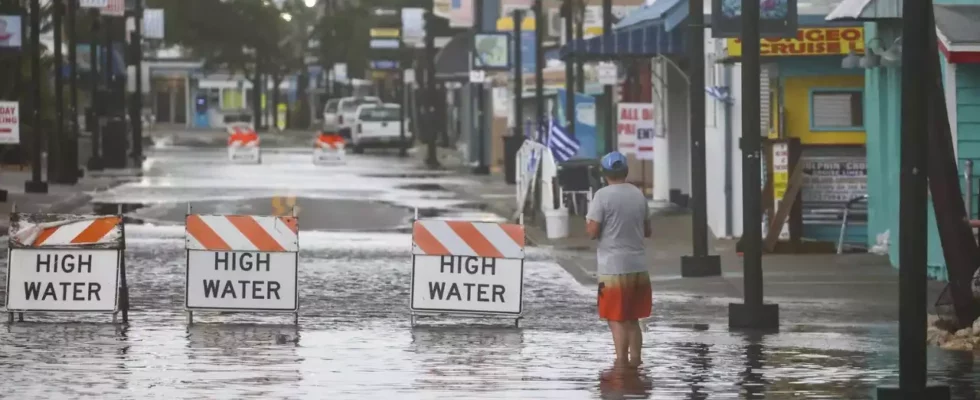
[{"x": 563, "y": 146}]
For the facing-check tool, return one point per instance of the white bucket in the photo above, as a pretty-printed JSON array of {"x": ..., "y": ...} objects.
[{"x": 556, "y": 223}]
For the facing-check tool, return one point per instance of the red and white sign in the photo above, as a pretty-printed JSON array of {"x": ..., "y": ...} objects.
[
  {"x": 9, "y": 122},
  {"x": 636, "y": 130},
  {"x": 115, "y": 8}
]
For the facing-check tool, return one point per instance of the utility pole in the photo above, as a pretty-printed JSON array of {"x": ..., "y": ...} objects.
[
  {"x": 518, "y": 74},
  {"x": 402, "y": 103},
  {"x": 579, "y": 14},
  {"x": 55, "y": 161},
  {"x": 753, "y": 314},
  {"x": 36, "y": 184},
  {"x": 257, "y": 94},
  {"x": 71, "y": 150},
  {"x": 136, "y": 100},
  {"x": 93, "y": 122},
  {"x": 539, "y": 19},
  {"x": 700, "y": 264},
  {"x": 569, "y": 6},
  {"x": 607, "y": 90},
  {"x": 481, "y": 119},
  {"x": 429, "y": 92}
]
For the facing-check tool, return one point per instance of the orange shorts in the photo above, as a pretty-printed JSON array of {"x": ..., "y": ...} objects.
[{"x": 625, "y": 297}]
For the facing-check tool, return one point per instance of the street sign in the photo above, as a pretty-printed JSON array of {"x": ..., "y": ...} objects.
[
  {"x": 243, "y": 144},
  {"x": 93, "y": 3},
  {"x": 636, "y": 130},
  {"x": 64, "y": 263},
  {"x": 10, "y": 32},
  {"x": 478, "y": 76},
  {"x": 607, "y": 74},
  {"x": 242, "y": 263},
  {"x": 410, "y": 76},
  {"x": 491, "y": 51},
  {"x": 114, "y": 8},
  {"x": 153, "y": 22},
  {"x": 9, "y": 122},
  {"x": 462, "y": 267}
]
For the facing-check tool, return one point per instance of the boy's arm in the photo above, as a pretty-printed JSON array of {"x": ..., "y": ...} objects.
[
  {"x": 593, "y": 219},
  {"x": 647, "y": 230}
]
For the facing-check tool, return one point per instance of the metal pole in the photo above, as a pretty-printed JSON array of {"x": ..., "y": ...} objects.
[
  {"x": 569, "y": 69},
  {"x": 539, "y": 19},
  {"x": 913, "y": 201},
  {"x": 968, "y": 187},
  {"x": 429, "y": 89},
  {"x": 55, "y": 161},
  {"x": 71, "y": 156},
  {"x": 752, "y": 314},
  {"x": 607, "y": 90},
  {"x": 699, "y": 264},
  {"x": 403, "y": 145},
  {"x": 579, "y": 35},
  {"x": 94, "y": 120},
  {"x": 36, "y": 185},
  {"x": 136, "y": 114},
  {"x": 518, "y": 73},
  {"x": 481, "y": 105}
]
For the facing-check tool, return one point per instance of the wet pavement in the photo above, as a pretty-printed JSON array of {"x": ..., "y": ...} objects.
[{"x": 354, "y": 339}]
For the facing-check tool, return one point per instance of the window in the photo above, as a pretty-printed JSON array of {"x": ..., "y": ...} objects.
[
  {"x": 837, "y": 109},
  {"x": 379, "y": 114}
]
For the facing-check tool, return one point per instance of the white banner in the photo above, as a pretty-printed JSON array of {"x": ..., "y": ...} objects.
[
  {"x": 241, "y": 280},
  {"x": 114, "y": 8},
  {"x": 62, "y": 280},
  {"x": 468, "y": 284},
  {"x": 636, "y": 129},
  {"x": 153, "y": 20},
  {"x": 9, "y": 122},
  {"x": 528, "y": 161},
  {"x": 93, "y": 3},
  {"x": 10, "y": 32}
]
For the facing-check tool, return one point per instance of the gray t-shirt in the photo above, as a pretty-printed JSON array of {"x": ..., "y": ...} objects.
[{"x": 621, "y": 211}]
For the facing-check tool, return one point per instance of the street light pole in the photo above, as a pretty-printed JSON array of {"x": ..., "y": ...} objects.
[
  {"x": 71, "y": 150},
  {"x": 55, "y": 161},
  {"x": 36, "y": 184},
  {"x": 136, "y": 110},
  {"x": 607, "y": 90},
  {"x": 429, "y": 91},
  {"x": 93, "y": 122}
]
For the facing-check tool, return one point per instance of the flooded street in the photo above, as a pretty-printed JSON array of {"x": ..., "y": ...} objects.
[{"x": 355, "y": 340}]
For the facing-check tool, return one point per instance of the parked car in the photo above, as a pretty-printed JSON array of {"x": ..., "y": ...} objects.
[
  {"x": 377, "y": 126},
  {"x": 348, "y": 112},
  {"x": 330, "y": 115}
]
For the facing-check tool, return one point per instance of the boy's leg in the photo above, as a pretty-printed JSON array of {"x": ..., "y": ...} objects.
[
  {"x": 635, "y": 343},
  {"x": 621, "y": 340}
]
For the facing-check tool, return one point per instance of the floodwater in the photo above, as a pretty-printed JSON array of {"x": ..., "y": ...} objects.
[{"x": 355, "y": 340}]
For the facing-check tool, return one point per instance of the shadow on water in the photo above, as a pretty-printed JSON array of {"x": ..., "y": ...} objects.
[
  {"x": 625, "y": 383},
  {"x": 241, "y": 336}
]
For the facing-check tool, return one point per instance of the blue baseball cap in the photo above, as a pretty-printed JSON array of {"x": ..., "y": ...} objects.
[{"x": 614, "y": 161}]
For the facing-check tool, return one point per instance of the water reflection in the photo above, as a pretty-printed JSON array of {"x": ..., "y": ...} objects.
[
  {"x": 751, "y": 379},
  {"x": 251, "y": 360},
  {"x": 625, "y": 382},
  {"x": 700, "y": 362},
  {"x": 468, "y": 357}
]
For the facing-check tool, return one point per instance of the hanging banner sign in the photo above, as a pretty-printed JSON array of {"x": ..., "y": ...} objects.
[
  {"x": 636, "y": 130},
  {"x": 242, "y": 263},
  {"x": 64, "y": 262},
  {"x": 467, "y": 267},
  {"x": 93, "y": 3},
  {"x": 809, "y": 42},
  {"x": 9, "y": 122}
]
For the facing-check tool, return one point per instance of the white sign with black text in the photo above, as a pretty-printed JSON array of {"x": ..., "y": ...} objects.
[
  {"x": 9, "y": 122},
  {"x": 241, "y": 281},
  {"x": 481, "y": 285},
  {"x": 62, "y": 280}
]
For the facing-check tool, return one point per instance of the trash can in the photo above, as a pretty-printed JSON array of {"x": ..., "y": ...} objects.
[
  {"x": 512, "y": 144},
  {"x": 115, "y": 144},
  {"x": 556, "y": 223}
]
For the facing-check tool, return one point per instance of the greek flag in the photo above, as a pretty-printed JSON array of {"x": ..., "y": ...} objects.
[{"x": 563, "y": 147}]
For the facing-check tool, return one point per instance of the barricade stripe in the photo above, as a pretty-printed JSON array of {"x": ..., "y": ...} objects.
[
  {"x": 230, "y": 233},
  {"x": 96, "y": 230},
  {"x": 282, "y": 234},
  {"x": 516, "y": 232},
  {"x": 468, "y": 232},
  {"x": 255, "y": 233},
  {"x": 44, "y": 235},
  {"x": 425, "y": 241},
  {"x": 503, "y": 242},
  {"x": 291, "y": 222},
  {"x": 61, "y": 235},
  {"x": 449, "y": 239},
  {"x": 208, "y": 238}
]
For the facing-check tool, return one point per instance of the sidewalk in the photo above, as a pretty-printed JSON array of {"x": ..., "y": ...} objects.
[
  {"x": 59, "y": 199},
  {"x": 835, "y": 289}
]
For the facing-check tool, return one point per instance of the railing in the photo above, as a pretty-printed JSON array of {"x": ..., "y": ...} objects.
[{"x": 849, "y": 208}]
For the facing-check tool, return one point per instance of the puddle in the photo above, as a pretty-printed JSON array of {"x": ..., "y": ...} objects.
[{"x": 421, "y": 175}]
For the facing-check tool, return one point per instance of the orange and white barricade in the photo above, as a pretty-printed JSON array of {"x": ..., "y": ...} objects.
[
  {"x": 328, "y": 149},
  {"x": 467, "y": 268},
  {"x": 66, "y": 263},
  {"x": 243, "y": 144},
  {"x": 241, "y": 263}
]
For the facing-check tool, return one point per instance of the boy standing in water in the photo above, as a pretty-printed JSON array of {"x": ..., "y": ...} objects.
[{"x": 619, "y": 218}]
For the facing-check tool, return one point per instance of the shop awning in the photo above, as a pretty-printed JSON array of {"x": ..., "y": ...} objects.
[
  {"x": 668, "y": 13},
  {"x": 959, "y": 33},
  {"x": 453, "y": 60},
  {"x": 866, "y": 10},
  {"x": 645, "y": 42}
]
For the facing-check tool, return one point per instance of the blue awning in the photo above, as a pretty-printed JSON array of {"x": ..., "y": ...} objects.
[
  {"x": 646, "y": 42},
  {"x": 669, "y": 11}
]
